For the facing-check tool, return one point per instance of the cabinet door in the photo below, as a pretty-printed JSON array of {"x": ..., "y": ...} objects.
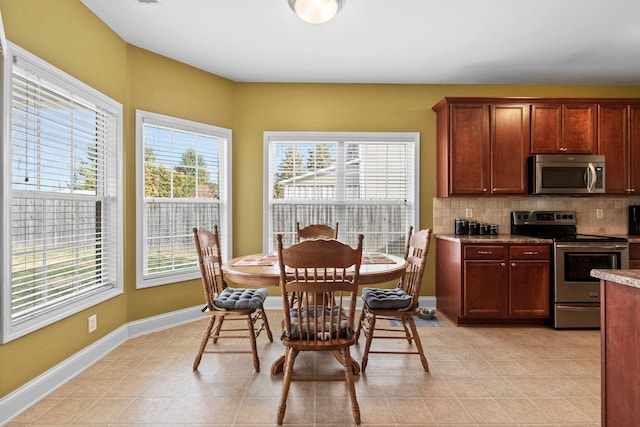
[
  {"x": 579, "y": 128},
  {"x": 546, "y": 128},
  {"x": 485, "y": 288},
  {"x": 634, "y": 255},
  {"x": 563, "y": 128},
  {"x": 529, "y": 288},
  {"x": 469, "y": 149},
  {"x": 613, "y": 144},
  {"x": 509, "y": 144},
  {"x": 634, "y": 150}
]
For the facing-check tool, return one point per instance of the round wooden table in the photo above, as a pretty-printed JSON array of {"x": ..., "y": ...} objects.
[{"x": 269, "y": 275}]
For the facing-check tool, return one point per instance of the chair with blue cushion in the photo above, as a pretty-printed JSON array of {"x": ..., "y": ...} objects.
[
  {"x": 226, "y": 303},
  {"x": 399, "y": 304},
  {"x": 323, "y": 273}
]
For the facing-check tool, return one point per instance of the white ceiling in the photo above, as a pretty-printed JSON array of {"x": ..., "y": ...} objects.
[{"x": 583, "y": 42}]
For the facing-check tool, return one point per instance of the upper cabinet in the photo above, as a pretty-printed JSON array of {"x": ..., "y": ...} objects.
[
  {"x": 477, "y": 143},
  {"x": 483, "y": 143},
  {"x": 619, "y": 142},
  {"x": 566, "y": 128}
]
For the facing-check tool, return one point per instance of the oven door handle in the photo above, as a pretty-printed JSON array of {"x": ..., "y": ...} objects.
[
  {"x": 576, "y": 308},
  {"x": 596, "y": 246}
]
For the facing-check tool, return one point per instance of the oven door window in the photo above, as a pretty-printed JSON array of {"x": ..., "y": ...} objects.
[{"x": 578, "y": 265}]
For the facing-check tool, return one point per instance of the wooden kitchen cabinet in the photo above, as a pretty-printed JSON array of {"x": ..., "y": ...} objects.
[
  {"x": 482, "y": 297},
  {"x": 482, "y": 148},
  {"x": 567, "y": 128},
  {"x": 529, "y": 281},
  {"x": 634, "y": 255},
  {"x": 619, "y": 332},
  {"x": 492, "y": 283},
  {"x": 619, "y": 142}
]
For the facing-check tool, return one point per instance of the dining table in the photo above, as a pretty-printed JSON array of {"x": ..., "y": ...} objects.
[{"x": 263, "y": 270}]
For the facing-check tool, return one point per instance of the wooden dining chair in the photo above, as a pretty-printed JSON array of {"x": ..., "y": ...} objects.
[
  {"x": 398, "y": 304},
  {"x": 324, "y": 275},
  {"x": 226, "y": 303},
  {"x": 316, "y": 231}
]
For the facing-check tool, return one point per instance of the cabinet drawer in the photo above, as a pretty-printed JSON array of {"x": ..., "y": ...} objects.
[
  {"x": 634, "y": 251},
  {"x": 484, "y": 252},
  {"x": 529, "y": 252}
]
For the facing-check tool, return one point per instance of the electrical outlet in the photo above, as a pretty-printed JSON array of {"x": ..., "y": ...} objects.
[
  {"x": 93, "y": 323},
  {"x": 599, "y": 214},
  {"x": 469, "y": 213}
]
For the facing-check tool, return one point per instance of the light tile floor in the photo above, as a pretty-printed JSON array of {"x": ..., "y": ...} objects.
[{"x": 494, "y": 376}]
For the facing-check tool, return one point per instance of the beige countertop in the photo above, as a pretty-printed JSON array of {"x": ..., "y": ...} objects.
[
  {"x": 496, "y": 238},
  {"x": 624, "y": 277}
]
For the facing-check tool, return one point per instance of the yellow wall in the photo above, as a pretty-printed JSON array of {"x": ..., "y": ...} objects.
[{"x": 66, "y": 34}]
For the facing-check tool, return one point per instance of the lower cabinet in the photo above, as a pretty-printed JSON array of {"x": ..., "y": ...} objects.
[
  {"x": 634, "y": 255},
  {"x": 501, "y": 283}
]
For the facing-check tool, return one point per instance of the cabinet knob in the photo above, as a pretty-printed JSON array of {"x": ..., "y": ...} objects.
[
  {"x": 563, "y": 149},
  {"x": 513, "y": 264},
  {"x": 485, "y": 252},
  {"x": 531, "y": 252},
  {"x": 502, "y": 264},
  {"x": 484, "y": 190}
]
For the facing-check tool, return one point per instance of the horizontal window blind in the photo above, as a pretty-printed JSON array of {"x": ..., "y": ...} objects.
[
  {"x": 368, "y": 185},
  {"x": 184, "y": 186},
  {"x": 63, "y": 193}
]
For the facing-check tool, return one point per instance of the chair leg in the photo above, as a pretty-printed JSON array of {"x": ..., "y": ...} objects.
[
  {"x": 407, "y": 332},
  {"x": 416, "y": 338},
  {"x": 263, "y": 315},
  {"x": 216, "y": 332},
  {"x": 203, "y": 343},
  {"x": 290, "y": 357},
  {"x": 348, "y": 373},
  {"x": 367, "y": 346},
  {"x": 360, "y": 324},
  {"x": 252, "y": 340}
]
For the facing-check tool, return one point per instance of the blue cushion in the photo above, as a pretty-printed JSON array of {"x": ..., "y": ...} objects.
[
  {"x": 386, "y": 299},
  {"x": 241, "y": 299}
]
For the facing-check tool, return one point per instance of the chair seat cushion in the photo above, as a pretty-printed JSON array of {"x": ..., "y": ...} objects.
[
  {"x": 386, "y": 299},
  {"x": 241, "y": 299},
  {"x": 299, "y": 324}
]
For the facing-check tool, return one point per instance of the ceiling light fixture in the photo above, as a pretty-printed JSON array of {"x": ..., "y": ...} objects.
[{"x": 316, "y": 11}]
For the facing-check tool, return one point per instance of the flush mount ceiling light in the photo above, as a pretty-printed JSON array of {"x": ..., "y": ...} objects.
[{"x": 316, "y": 11}]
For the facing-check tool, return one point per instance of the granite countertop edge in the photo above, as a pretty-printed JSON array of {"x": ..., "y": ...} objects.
[
  {"x": 628, "y": 277},
  {"x": 495, "y": 238}
]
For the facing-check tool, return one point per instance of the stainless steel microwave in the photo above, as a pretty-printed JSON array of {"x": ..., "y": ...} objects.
[{"x": 566, "y": 174}]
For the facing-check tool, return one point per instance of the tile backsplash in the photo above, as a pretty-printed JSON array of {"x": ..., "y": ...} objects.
[{"x": 496, "y": 210}]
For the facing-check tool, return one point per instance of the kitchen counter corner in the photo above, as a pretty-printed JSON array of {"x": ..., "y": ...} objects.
[{"x": 629, "y": 277}]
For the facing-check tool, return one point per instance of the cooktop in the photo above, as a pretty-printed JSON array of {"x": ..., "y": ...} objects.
[{"x": 557, "y": 225}]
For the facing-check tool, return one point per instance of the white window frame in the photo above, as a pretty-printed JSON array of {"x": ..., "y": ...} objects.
[
  {"x": 112, "y": 189},
  {"x": 368, "y": 137},
  {"x": 143, "y": 279}
]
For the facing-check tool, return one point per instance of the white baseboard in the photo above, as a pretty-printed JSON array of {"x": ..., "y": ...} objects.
[{"x": 38, "y": 388}]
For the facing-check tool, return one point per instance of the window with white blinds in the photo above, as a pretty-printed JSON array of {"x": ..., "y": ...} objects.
[
  {"x": 367, "y": 182},
  {"x": 183, "y": 179},
  {"x": 61, "y": 206}
]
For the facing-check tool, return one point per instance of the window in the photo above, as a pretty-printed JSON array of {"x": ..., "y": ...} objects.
[
  {"x": 368, "y": 182},
  {"x": 61, "y": 195},
  {"x": 183, "y": 182}
]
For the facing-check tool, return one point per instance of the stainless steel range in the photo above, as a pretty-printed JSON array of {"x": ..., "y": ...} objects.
[{"x": 575, "y": 294}]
